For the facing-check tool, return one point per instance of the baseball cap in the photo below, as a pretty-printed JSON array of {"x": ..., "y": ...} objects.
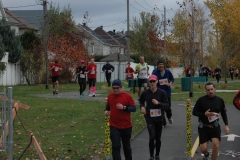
[
  {"x": 152, "y": 78},
  {"x": 117, "y": 82},
  {"x": 81, "y": 61}
]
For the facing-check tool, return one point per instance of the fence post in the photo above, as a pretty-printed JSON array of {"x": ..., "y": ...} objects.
[
  {"x": 189, "y": 129},
  {"x": 10, "y": 134}
]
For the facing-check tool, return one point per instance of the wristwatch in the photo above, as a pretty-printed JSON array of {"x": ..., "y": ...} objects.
[{"x": 124, "y": 107}]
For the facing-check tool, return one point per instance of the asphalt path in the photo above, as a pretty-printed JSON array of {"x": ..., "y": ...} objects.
[{"x": 174, "y": 135}]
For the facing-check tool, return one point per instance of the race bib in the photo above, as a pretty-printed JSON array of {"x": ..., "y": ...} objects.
[
  {"x": 92, "y": 72},
  {"x": 163, "y": 81},
  {"x": 82, "y": 75},
  {"x": 129, "y": 75},
  {"x": 213, "y": 118},
  {"x": 56, "y": 69},
  {"x": 155, "y": 112},
  {"x": 109, "y": 71}
]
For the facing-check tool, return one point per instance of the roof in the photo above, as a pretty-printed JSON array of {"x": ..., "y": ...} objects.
[
  {"x": 33, "y": 17},
  {"x": 18, "y": 21},
  {"x": 114, "y": 58},
  {"x": 106, "y": 36},
  {"x": 117, "y": 36},
  {"x": 93, "y": 33}
]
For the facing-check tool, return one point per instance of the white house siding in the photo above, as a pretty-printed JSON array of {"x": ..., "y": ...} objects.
[{"x": 106, "y": 50}]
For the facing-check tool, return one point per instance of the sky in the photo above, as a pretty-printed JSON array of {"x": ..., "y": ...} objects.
[{"x": 111, "y": 14}]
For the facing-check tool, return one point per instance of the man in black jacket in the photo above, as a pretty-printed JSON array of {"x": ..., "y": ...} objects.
[
  {"x": 207, "y": 109},
  {"x": 108, "y": 69}
]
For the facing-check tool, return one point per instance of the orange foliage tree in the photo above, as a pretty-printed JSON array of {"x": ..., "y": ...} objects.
[{"x": 68, "y": 49}]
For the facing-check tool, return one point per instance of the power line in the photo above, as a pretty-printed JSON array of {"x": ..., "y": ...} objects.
[
  {"x": 24, "y": 6},
  {"x": 147, "y": 4},
  {"x": 134, "y": 7},
  {"x": 141, "y": 6}
]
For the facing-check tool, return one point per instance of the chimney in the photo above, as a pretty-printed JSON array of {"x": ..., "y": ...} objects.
[
  {"x": 114, "y": 30},
  {"x": 101, "y": 27},
  {"x": 84, "y": 24}
]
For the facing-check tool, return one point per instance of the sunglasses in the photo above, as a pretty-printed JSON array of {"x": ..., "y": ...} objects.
[
  {"x": 152, "y": 81},
  {"x": 115, "y": 87}
]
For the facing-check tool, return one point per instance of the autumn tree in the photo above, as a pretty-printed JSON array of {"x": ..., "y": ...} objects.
[
  {"x": 64, "y": 43},
  {"x": 31, "y": 63},
  {"x": 225, "y": 14},
  {"x": 145, "y": 37},
  {"x": 188, "y": 31}
]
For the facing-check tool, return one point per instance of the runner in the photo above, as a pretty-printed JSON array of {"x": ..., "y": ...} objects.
[
  {"x": 81, "y": 72},
  {"x": 92, "y": 74},
  {"x": 142, "y": 70},
  {"x": 166, "y": 79},
  {"x": 157, "y": 101},
  {"x": 55, "y": 68},
  {"x": 119, "y": 107},
  {"x": 207, "y": 109},
  {"x": 129, "y": 72},
  {"x": 108, "y": 69}
]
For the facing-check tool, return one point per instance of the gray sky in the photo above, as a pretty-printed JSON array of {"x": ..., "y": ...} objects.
[{"x": 111, "y": 14}]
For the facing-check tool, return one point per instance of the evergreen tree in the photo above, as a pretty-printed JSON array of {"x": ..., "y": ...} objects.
[
  {"x": 2, "y": 48},
  {"x": 11, "y": 42}
]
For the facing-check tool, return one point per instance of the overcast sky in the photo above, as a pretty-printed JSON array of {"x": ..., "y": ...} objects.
[{"x": 111, "y": 14}]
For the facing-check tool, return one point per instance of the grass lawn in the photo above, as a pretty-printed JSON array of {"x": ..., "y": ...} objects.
[{"x": 74, "y": 129}]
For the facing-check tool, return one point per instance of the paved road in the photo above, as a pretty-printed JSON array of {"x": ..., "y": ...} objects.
[{"x": 174, "y": 135}]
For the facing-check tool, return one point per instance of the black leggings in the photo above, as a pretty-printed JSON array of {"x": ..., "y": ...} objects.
[
  {"x": 155, "y": 132},
  {"x": 82, "y": 84},
  {"x": 91, "y": 82}
]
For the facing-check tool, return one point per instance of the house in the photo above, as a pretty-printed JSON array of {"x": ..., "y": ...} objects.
[
  {"x": 19, "y": 20},
  {"x": 96, "y": 45},
  {"x": 116, "y": 45}
]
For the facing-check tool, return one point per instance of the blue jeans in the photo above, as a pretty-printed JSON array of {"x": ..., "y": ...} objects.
[{"x": 116, "y": 136}]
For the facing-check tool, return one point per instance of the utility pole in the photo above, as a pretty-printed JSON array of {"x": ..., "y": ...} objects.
[
  {"x": 165, "y": 43},
  {"x": 45, "y": 38},
  {"x": 192, "y": 54},
  {"x": 128, "y": 33}
]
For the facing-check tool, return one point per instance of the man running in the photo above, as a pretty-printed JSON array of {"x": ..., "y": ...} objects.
[
  {"x": 207, "y": 109},
  {"x": 142, "y": 70},
  {"x": 81, "y": 72},
  {"x": 166, "y": 79},
  {"x": 55, "y": 68},
  {"x": 119, "y": 107}
]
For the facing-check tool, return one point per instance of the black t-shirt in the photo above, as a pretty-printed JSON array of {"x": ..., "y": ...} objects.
[
  {"x": 215, "y": 104},
  {"x": 81, "y": 71},
  {"x": 217, "y": 71},
  {"x": 147, "y": 96}
]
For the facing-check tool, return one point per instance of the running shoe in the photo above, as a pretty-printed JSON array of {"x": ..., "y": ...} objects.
[
  {"x": 90, "y": 95},
  {"x": 81, "y": 96},
  {"x": 54, "y": 92},
  {"x": 157, "y": 158},
  {"x": 151, "y": 158},
  {"x": 206, "y": 156},
  {"x": 93, "y": 95},
  {"x": 170, "y": 120}
]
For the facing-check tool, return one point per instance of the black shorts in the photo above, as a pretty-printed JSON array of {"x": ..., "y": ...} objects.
[
  {"x": 55, "y": 78},
  {"x": 206, "y": 134},
  {"x": 141, "y": 81}
]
